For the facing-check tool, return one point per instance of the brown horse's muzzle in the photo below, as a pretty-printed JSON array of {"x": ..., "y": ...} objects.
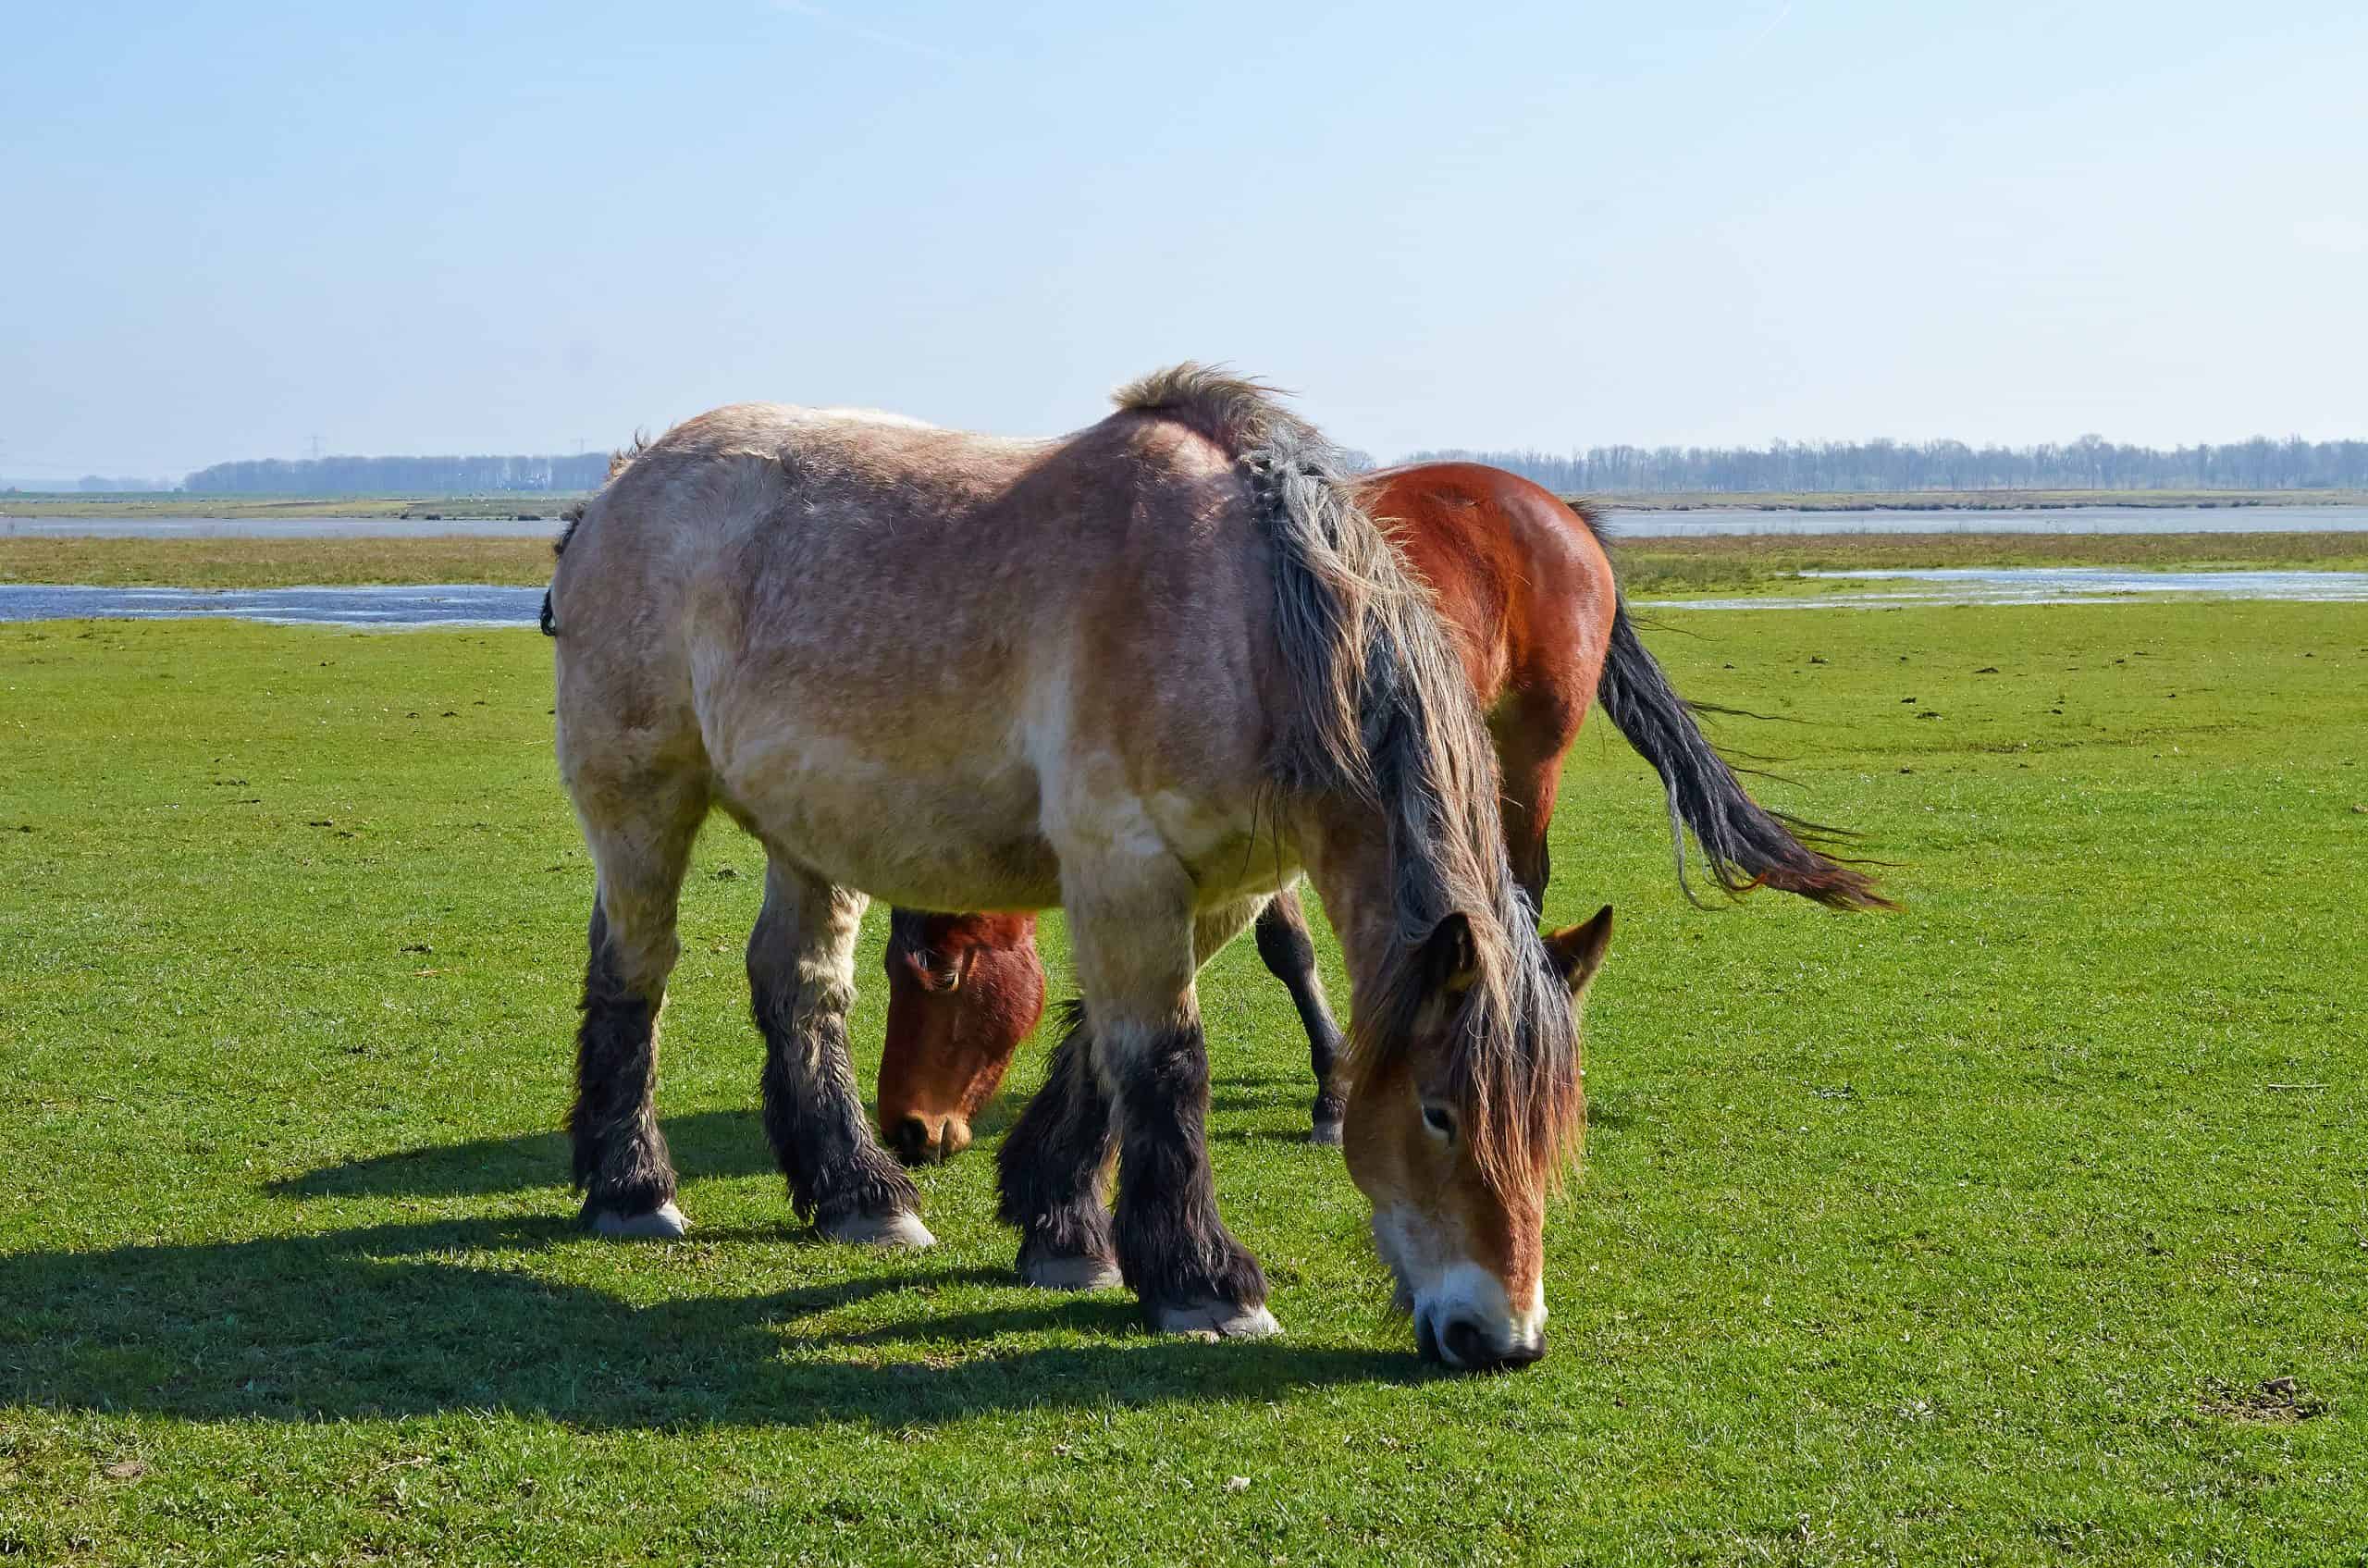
[{"x": 918, "y": 1141}]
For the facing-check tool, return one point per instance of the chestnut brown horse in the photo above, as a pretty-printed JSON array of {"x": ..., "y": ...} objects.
[
  {"x": 1523, "y": 583},
  {"x": 1148, "y": 672}
]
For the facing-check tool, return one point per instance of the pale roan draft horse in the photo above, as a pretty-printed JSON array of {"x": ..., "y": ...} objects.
[
  {"x": 1527, "y": 592},
  {"x": 1148, "y": 672}
]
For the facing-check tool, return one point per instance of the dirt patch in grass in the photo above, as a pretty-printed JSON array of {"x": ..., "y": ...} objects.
[{"x": 2273, "y": 1400}]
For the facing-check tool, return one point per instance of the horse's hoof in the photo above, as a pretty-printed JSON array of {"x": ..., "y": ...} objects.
[
  {"x": 897, "y": 1229},
  {"x": 1327, "y": 1133},
  {"x": 1210, "y": 1318},
  {"x": 664, "y": 1223},
  {"x": 1075, "y": 1272}
]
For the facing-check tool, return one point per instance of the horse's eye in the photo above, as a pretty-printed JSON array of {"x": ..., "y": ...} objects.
[{"x": 1438, "y": 1119}]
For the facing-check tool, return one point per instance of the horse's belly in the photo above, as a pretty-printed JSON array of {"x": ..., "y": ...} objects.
[{"x": 936, "y": 843}]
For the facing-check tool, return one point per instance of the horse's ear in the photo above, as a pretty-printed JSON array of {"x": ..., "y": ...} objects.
[
  {"x": 1577, "y": 951},
  {"x": 1450, "y": 958}
]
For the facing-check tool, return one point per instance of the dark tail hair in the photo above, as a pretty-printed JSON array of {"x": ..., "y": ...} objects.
[{"x": 1746, "y": 845}]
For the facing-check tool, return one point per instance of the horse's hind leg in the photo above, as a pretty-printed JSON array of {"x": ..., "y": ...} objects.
[
  {"x": 1289, "y": 953},
  {"x": 1531, "y": 753},
  {"x": 801, "y": 983},
  {"x": 640, "y": 839}
]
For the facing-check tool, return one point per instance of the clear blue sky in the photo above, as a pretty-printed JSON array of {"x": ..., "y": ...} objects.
[{"x": 437, "y": 227}]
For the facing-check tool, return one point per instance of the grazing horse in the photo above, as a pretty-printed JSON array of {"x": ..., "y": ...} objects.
[
  {"x": 1528, "y": 592},
  {"x": 1149, "y": 672}
]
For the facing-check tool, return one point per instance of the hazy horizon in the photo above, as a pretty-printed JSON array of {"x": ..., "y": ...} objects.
[{"x": 435, "y": 230}]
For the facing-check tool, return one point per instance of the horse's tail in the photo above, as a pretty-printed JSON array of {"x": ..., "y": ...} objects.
[
  {"x": 1746, "y": 845},
  {"x": 618, "y": 462}
]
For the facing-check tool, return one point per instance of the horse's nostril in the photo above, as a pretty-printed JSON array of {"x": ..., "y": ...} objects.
[
  {"x": 1466, "y": 1342},
  {"x": 914, "y": 1142}
]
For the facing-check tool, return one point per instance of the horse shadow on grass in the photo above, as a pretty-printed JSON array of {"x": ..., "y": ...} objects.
[
  {"x": 413, "y": 1319},
  {"x": 704, "y": 1144}
]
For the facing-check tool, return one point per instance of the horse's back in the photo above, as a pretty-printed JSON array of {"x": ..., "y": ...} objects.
[
  {"x": 865, "y": 621},
  {"x": 1518, "y": 574}
]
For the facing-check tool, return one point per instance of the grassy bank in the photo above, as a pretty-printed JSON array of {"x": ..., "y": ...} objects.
[
  {"x": 1734, "y": 562},
  {"x": 274, "y": 564},
  {"x": 1987, "y": 1232},
  {"x": 151, "y": 503},
  {"x": 147, "y": 503}
]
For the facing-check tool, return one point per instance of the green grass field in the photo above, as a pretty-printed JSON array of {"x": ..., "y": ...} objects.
[{"x": 1984, "y": 1232}]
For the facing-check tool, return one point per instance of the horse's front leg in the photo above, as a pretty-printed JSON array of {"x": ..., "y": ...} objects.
[
  {"x": 1137, "y": 954},
  {"x": 1053, "y": 1172}
]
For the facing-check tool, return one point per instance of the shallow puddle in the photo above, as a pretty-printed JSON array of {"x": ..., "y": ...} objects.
[
  {"x": 457, "y": 604},
  {"x": 2044, "y": 585}
]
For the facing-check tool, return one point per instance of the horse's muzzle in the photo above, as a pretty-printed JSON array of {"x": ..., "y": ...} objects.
[
  {"x": 1463, "y": 1344},
  {"x": 916, "y": 1142}
]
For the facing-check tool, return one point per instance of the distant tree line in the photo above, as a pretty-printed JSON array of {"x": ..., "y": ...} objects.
[
  {"x": 89, "y": 483},
  {"x": 2089, "y": 464},
  {"x": 400, "y": 476}
]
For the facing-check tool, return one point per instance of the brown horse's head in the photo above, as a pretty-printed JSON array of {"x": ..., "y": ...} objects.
[
  {"x": 963, "y": 992},
  {"x": 1458, "y": 1177}
]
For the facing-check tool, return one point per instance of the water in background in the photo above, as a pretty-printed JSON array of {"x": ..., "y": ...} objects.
[
  {"x": 455, "y": 604},
  {"x": 474, "y": 605}
]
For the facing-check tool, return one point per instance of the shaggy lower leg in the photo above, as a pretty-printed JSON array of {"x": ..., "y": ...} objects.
[
  {"x": 1173, "y": 1248},
  {"x": 1289, "y": 955},
  {"x": 839, "y": 1178},
  {"x": 1053, "y": 1170},
  {"x": 620, "y": 1160}
]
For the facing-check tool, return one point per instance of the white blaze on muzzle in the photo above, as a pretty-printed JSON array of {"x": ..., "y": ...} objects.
[{"x": 1462, "y": 1314}]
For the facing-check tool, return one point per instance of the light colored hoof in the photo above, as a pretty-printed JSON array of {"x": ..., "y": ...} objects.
[
  {"x": 1070, "y": 1274},
  {"x": 1327, "y": 1133},
  {"x": 899, "y": 1230},
  {"x": 1212, "y": 1319},
  {"x": 664, "y": 1223}
]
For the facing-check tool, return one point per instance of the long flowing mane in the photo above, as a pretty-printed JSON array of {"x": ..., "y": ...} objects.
[{"x": 1386, "y": 716}]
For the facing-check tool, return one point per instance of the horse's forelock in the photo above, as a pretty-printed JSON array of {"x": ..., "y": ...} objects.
[{"x": 1508, "y": 1054}]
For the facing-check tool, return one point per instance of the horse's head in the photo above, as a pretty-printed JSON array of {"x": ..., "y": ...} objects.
[
  {"x": 1458, "y": 1120},
  {"x": 963, "y": 992}
]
